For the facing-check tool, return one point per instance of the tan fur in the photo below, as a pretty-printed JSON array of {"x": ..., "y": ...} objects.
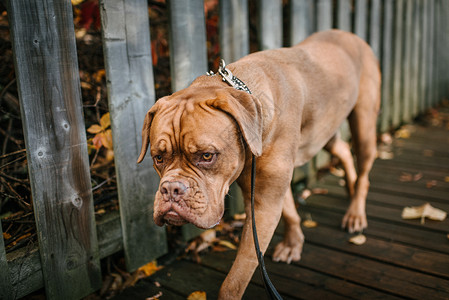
[{"x": 301, "y": 95}]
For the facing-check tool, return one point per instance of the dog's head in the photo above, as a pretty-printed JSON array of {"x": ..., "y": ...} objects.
[{"x": 197, "y": 140}]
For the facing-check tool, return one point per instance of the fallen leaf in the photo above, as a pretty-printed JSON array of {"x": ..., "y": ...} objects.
[
  {"x": 431, "y": 183},
  {"x": 337, "y": 172},
  {"x": 402, "y": 133},
  {"x": 240, "y": 217},
  {"x": 407, "y": 177},
  {"x": 149, "y": 269},
  {"x": 386, "y": 138},
  {"x": 428, "y": 153},
  {"x": 309, "y": 224},
  {"x": 155, "y": 297},
  {"x": 422, "y": 212},
  {"x": 227, "y": 244},
  {"x": 6, "y": 235},
  {"x": 319, "y": 191},
  {"x": 198, "y": 295},
  {"x": 446, "y": 179},
  {"x": 306, "y": 194},
  {"x": 358, "y": 240},
  {"x": 209, "y": 236},
  {"x": 385, "y": 155}
]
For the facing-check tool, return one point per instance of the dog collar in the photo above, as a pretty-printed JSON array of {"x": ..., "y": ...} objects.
[{"x": 227, "y": 76}]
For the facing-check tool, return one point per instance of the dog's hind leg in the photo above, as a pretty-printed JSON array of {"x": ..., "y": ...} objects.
[
  {"x": 363, "y": 120},
  {"x": 340, "y": 149},
  {"x": 291, "y": 247}
]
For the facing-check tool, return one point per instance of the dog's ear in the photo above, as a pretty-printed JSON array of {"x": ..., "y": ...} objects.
[
  {"x": 146, "y": 132},
  {"x": 246, "y": 110}
]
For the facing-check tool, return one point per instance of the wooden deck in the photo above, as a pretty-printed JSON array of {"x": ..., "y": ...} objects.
[{"x": 402, "y": 259}]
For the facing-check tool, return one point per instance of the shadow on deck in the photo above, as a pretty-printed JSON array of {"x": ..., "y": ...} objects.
[{"x": 400, "y": 259}]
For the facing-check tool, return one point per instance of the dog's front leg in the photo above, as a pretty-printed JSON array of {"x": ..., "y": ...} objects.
[{"x": 268, "y": 208}]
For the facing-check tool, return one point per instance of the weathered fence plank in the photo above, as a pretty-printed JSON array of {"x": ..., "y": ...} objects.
[
  {"x": 344, "y": 21},
  {"x": 188, "y": 55},
  {"x": 361, "y": 19},
  {"x": 46, "y": 67},
  {"x": 424, "y": 56},
  {"x": 375, "y": 34},
  {"x": 129, "y": 72},
  {"x": 443, "y": 49},
  {"x": 387, "y": 67},
  {"x": 324, "y": 15},
  {"x": 398, "y": 60},
  {"x": 234, "y": 44},
  {"x": 234, "y": 29},
  {"x": 406, "y": 63},
  {"x": 431, "y": 99},
  {"x": 6, "y": 291},
  {"x": 302, "y": 20},
  {"x": 416, "y": 51},
  {"x": 270, "y": 24}
]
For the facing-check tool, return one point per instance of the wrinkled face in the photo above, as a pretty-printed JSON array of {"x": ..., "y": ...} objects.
[{"x": 198, "y": 152}]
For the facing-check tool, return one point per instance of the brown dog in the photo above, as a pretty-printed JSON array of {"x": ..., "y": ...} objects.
[{"x": 202, "y": 139}]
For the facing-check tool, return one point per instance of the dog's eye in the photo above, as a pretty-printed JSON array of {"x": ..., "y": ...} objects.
[
  {"x": 207, "y": 156},
  {"x": 158, "y": 159}
]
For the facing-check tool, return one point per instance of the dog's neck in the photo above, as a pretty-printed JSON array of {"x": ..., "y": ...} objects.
[{"x": 229, "y": 78}]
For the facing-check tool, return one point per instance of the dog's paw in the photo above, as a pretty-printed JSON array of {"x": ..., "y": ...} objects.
[
  {"x": 354, "y": 220},
  {"x": 286, "y": 253},
  {"x": 290, "y": 248}
]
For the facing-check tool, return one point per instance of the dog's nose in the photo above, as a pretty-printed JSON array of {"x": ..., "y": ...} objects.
[{"x": 173, "y": 190}]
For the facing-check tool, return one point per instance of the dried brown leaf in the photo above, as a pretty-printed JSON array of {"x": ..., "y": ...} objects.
[
  {"x": 155, "y": 297},
  {"x": 337, "y": 172},
  {"x": 385, "y": 155},
  {"x": 422, "y": 212},
  {"x": 431, "y": 183}
]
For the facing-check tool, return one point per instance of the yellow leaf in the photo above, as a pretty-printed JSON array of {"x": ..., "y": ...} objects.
[
  {"x": 227, "y": 244},
  {"x": 198, "y": 295},
  {"x": 240, "y": 217},
  {"x": 446, "y": 179},
  {"x": 94, "y": 129},
  {"x": 402, "y": 133},
  {"x": 105, "y": 121},
  {"x": 106, "y": 139},
  {"x": 6, "y": 235},
  {"x": 99, "y": 75},
  {"x": 149, "y": 269},
  {"x": 358, "y": 240},
  {"x": 309, "y": 224}
]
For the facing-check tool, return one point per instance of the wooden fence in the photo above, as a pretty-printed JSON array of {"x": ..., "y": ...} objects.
[{"x": 410, "y": 37}]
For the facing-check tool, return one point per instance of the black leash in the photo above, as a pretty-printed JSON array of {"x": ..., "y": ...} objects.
[
  {"x": 269, "y": 287},
  {"x": 233, "y": 81}
]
